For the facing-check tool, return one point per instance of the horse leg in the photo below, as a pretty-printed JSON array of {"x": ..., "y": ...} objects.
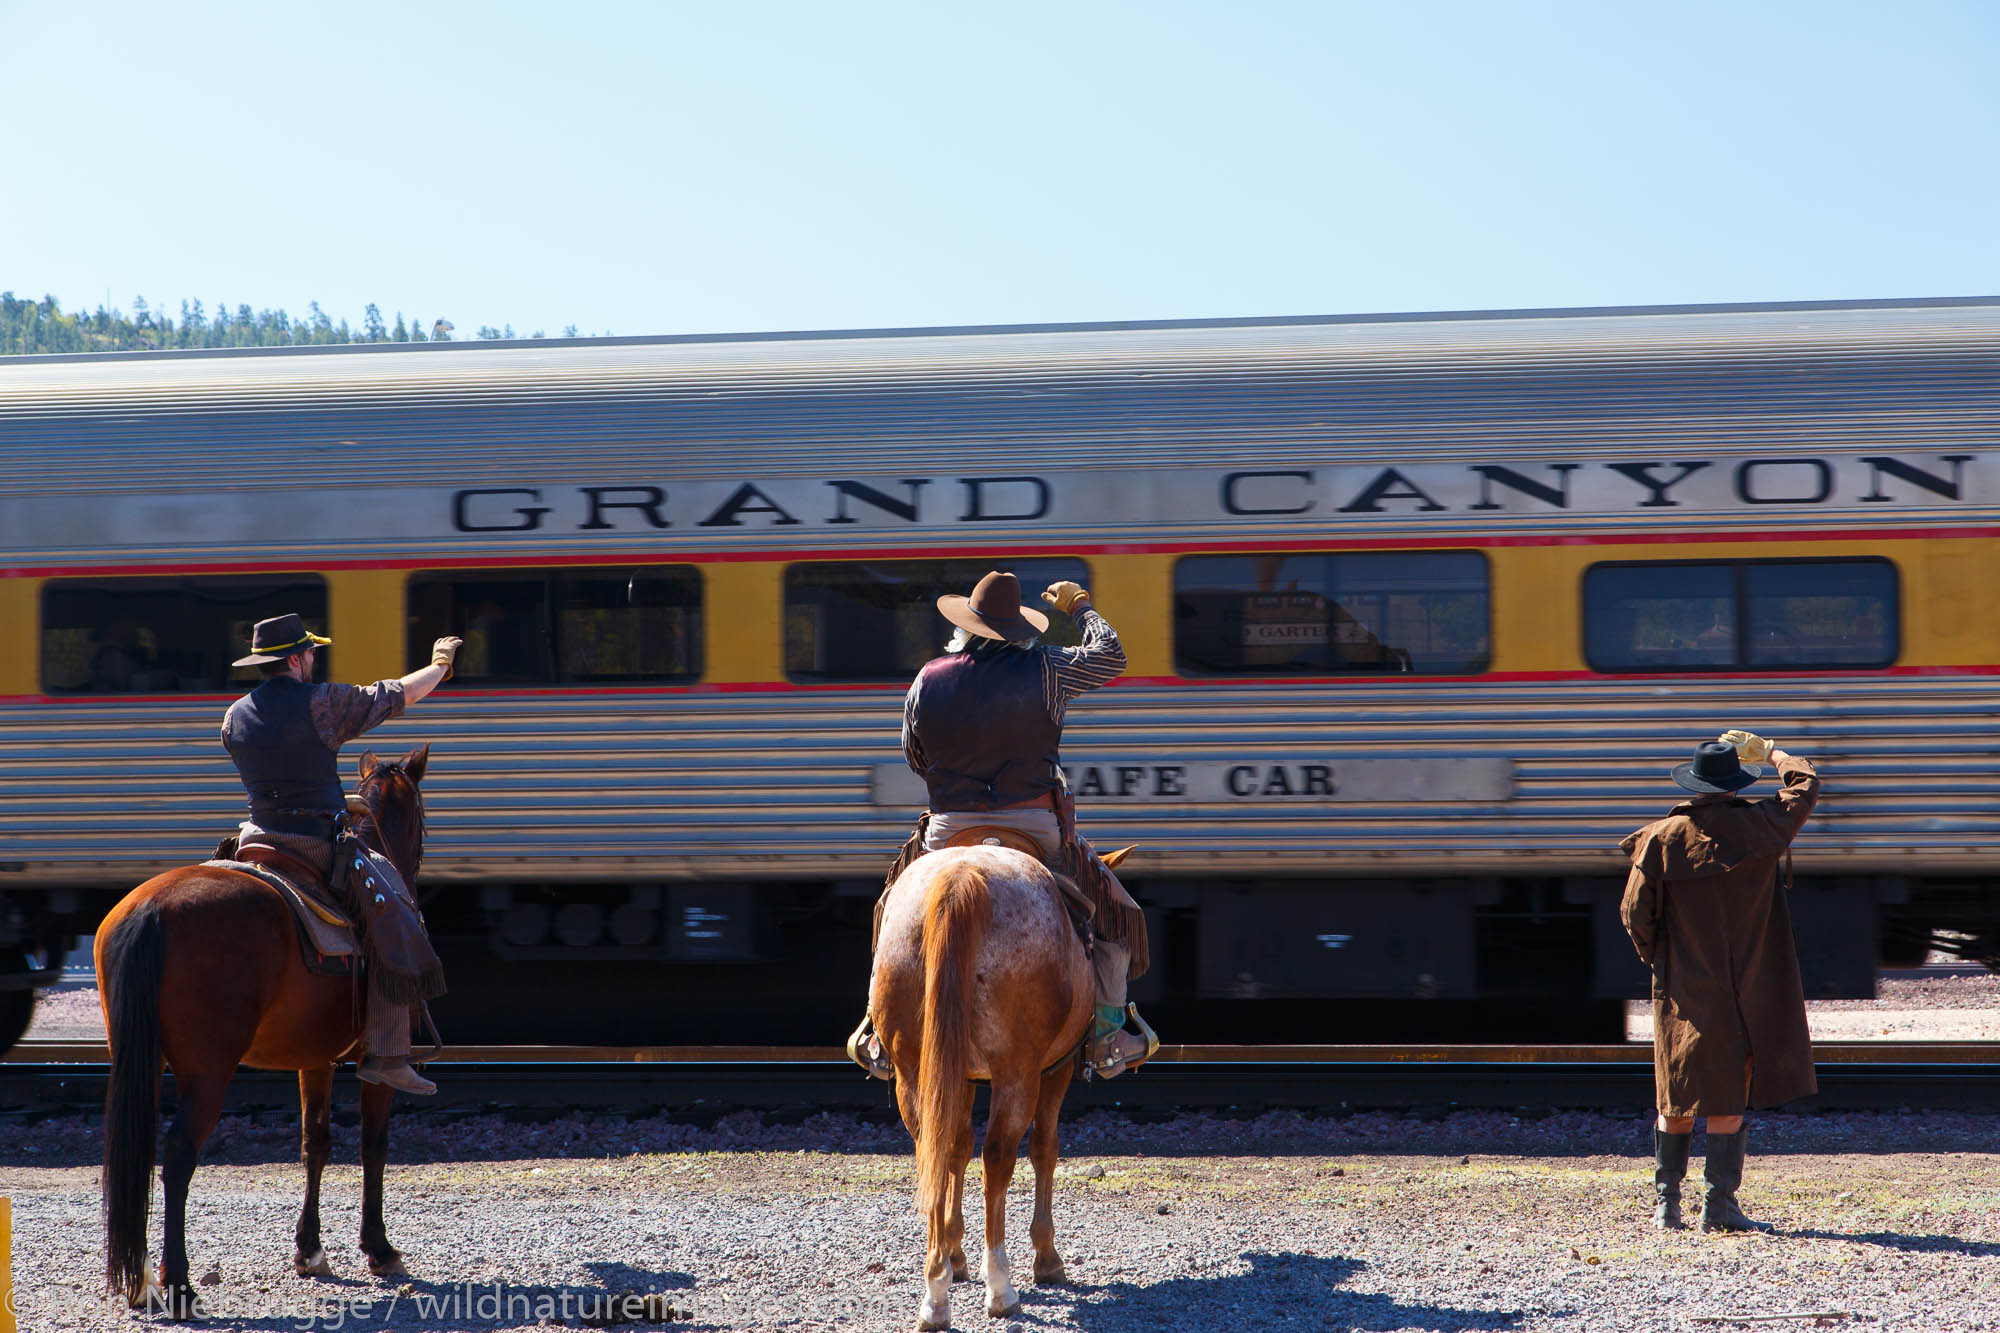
[
  {"x": 201, "y": 1106},
  {"x": 315, "y": 1145},
  {"x": 384, "y": 1260},
  {"x": 1006, "y": 1120},
  {"x": 1042, "y": 1150},
  {"x": 960, "y": 1270}
]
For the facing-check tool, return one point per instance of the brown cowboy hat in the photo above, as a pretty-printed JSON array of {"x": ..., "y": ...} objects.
[
  {"x": 279, "y": 637},
  {"x": 994, "y": 610}
]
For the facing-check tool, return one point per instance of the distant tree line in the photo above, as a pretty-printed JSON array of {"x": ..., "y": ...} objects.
[{"x": 28, "y": 327}]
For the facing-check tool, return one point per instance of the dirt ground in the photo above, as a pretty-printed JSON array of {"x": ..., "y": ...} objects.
[{"x": 1478, "y": 1220}]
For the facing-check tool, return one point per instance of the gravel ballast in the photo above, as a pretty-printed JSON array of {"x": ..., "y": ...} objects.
[{"x": 1475, "y": 1220}]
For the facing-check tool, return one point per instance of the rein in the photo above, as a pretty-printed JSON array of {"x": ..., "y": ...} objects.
[{"x": 397, "y": 833}]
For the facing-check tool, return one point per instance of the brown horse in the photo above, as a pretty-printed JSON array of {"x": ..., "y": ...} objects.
[
  {"x": 979, "y": 975},
  {"x": 201, "y": 968}
]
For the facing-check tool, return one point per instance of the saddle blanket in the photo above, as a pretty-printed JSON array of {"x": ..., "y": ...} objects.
[{"x": 322, "y": 929}]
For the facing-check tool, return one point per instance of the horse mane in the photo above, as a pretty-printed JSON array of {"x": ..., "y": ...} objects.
[{"x": 958, "y": 907}]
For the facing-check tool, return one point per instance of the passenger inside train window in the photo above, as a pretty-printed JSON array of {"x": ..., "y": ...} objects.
[
  {"x": 1722, "y": 615},
  {"x": 564, "y": 626},
  {"x": 1328, "y": 613},
  {"x": 878, "y": 620},
  {"x": 169, "y": 635}
]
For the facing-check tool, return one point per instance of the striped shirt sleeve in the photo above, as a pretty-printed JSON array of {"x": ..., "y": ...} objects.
[
  {"x": 1068, "y": 672},
  {"x": 342, "y": 712}
]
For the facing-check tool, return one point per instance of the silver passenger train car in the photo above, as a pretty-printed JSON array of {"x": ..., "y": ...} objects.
[{"x": 1419, "y": 610}]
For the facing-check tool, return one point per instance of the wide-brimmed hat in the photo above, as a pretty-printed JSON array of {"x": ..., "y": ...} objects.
[
  {"x": 1716, "y": 767},
  {"x": 278, "y": 638},
  {"x": 994, "y": 610}
]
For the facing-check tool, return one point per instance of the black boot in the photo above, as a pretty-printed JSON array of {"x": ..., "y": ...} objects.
[
  {"x": 1723, "y": 1169},
  {"x": 1670, "y": 1166}
]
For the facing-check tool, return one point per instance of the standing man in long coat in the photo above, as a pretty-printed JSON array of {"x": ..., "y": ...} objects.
[{"x": 1705, "y": 905}]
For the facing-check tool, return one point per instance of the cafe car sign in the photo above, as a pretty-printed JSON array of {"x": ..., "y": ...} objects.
[{"x": 1244, "y": 781}]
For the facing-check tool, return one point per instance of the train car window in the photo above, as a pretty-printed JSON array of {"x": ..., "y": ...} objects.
[
  {"x": 1332, "y": 613},
  {"x": 1725, "y": 615},
  {"x": 165, "y": 635},
  {"x": 563, "y": 626},
  {"x": 879, "y": 620}
]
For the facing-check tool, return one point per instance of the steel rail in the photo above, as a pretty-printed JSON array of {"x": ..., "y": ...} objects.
[{"x": 42, "y": 1078}]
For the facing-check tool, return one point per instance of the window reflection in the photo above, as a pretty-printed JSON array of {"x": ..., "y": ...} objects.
[
  {"x": 1716, "y": 615},
  {"x": 1325, "y": 614},
  {"x": 878, "y": 620},
  {"x": 165, "y": 635},
  {"x": 568, "y": 626}
]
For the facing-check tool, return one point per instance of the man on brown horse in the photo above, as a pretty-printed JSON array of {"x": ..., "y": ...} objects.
[
  {"x": 982, "y": 724},
  {"x": 285, "y": 738}
]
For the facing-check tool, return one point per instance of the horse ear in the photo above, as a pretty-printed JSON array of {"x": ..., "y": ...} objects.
[
  {"x": 368, "y": 763},
  {"x": 1111, "y": 859},
  {"x": 414, "y": 761}
]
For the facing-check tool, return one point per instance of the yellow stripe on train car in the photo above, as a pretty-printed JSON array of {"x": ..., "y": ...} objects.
[{"x": 6, "y": 1265}]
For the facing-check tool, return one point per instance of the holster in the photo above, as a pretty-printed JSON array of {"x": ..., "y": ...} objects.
[{"x": 402, "y": 966}]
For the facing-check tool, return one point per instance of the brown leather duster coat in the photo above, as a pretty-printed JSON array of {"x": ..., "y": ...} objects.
[{"x": 1705, "y": 905}]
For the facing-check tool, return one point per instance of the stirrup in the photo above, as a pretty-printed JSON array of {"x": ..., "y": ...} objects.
[
  {"x": 1111, "y": 1068},
  {"x": 877, "y": 1065},
  {"x": 429, "y": 1024}
]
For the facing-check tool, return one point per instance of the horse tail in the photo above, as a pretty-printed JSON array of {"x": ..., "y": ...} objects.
[
  {"x": 134, "y": 959},
  {"x": 957, "y": 909}
]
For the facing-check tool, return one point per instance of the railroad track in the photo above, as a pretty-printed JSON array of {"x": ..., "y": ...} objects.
[{"x": 47, "y": 1077}]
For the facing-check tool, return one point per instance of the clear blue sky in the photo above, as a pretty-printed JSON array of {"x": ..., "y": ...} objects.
[{"x": 712, "y": 167}]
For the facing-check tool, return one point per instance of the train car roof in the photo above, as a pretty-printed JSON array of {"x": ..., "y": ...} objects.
[{"x": 1461, "y": 384}]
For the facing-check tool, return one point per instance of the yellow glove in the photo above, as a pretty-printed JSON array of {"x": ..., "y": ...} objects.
[
  {"x": 1066, "y": 597},
  {"x": 444, "y": 652},
  {"x": 1750, "y": 747}
]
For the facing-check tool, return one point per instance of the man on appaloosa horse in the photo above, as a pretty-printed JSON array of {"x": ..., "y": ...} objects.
[
  {"x": 285, "y": 738},
  {"x": 983, "y": 725}
]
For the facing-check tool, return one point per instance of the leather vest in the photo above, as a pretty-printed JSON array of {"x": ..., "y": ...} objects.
[
  {"x": 292, "y": 779},
  {"x": 986, "y": 732}
]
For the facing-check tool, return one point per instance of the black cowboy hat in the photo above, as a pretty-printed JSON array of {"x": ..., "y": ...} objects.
[
  {"x": 279, "y": 637},
  {"x": 1716, "y": 767},
  {"x": 994, "y": 610}
]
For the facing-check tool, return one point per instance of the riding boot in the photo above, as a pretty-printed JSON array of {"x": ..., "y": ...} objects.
[
  {"x": 1723, "y": 1169},
  {"x": 1670, "y": 1164},
  {"x": 385, "y": 1039},
  {"x": 1112, "y": 1050},
  {"x": 865, "y": 1049}
]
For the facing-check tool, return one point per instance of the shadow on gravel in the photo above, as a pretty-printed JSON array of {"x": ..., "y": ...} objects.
[
  {"x": 624, "y": 1277},
  {"x": 1896, "y": 1240},
  {"x": 1280, "y": 1292}
]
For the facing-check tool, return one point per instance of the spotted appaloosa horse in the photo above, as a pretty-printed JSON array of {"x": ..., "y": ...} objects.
[
  {"x": 979, "y": 975},
  {"x": 200, "y": 968}
]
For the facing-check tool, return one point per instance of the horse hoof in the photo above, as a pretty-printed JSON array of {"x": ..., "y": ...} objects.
[
  {"x": 930, "y": 1323},
  {"x": 1005, "y": 1313},
  {"x": 312, "y": 1265},
  {"x": 1051, "y": 1274},
  {"x": 392, "y": 1267},
  {"x": 959, "y": 1271}
]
